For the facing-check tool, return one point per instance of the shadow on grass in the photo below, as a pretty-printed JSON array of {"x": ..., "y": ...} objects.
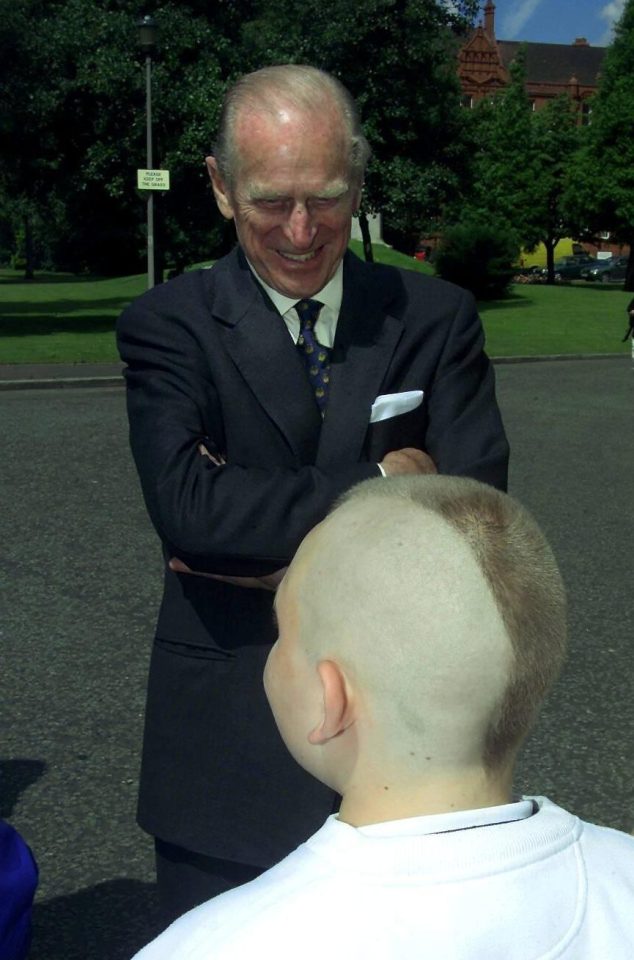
[
  {"x": 599, "y": 287},
  {"x": 575, "y": 285},
  {"x": 9, "y": 278},
  {"x": 531, "y": 294},
  {"x": 485, "y": 306},
  {"x": 54, "y": 307},
  {"x": 47, "y": 325}
]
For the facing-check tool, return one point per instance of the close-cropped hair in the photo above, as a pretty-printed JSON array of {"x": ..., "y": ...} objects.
[
  {"x": 518, "y": 565},
  {"x": 273, "y": 88}
]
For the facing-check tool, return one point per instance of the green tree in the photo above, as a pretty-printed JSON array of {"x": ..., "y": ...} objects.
[
  {"x": 72, "y": 129},
  {"x": 521, "y": 164},
  {"x": 601, "y": 192},
  {"x": 554, "y": 140},
  {"x": 397, "y": 58},
  {"x": 501, "y": 170},
  {"x": 478, "y": 256},
  {"x": 72, "y": 112},
  {"x": 26, "y": 141}
]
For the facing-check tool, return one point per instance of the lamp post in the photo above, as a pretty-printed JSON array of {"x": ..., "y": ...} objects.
[{"x": 147, "y": 40}]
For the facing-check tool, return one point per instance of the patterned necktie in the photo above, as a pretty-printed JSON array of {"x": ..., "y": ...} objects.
[{"x": 316, "y": 358}]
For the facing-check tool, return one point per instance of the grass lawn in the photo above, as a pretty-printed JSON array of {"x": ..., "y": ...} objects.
[
  {"x": 383, "y": 254},
  {"x": 568, "y": 318},
  {"x": 59, "y": 318}
]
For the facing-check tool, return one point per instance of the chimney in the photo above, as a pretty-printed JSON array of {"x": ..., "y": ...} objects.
[
  {"x": 489, "y": 19},
  {"x": 581, "y": 42}
]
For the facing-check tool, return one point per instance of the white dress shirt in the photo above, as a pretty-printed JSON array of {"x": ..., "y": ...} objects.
[
  {"x": 330, "y": 296},
  {"x": 326, "y": 327}
]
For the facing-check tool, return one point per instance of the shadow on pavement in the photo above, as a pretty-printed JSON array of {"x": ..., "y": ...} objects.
[
  {"x": 16, "y": 776},
  {"x": 109, "y": 921}
]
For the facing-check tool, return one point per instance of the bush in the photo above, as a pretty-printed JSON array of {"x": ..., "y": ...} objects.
[{"x": 478, "y": 256}]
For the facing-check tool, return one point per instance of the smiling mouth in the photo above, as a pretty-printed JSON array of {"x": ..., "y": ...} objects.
[{"x": 299, "y": 257}]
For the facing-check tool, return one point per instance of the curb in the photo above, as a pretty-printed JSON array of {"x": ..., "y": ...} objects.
[
  {"x": 50, "y": 383},
  {"x": 61, "y": 382},
  {"x": 562, "y": 356}
]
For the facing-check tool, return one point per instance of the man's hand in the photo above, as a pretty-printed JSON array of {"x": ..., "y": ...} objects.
[
  {"x": 270, "y": 581},
  {"x": 408, "y": 460}
]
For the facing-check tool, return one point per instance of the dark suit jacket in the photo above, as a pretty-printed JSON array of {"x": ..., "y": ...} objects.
[{"x": 209, "y": 357}]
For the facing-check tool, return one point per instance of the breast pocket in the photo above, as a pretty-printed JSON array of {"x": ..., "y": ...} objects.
[{"x": 404, "y": 430}]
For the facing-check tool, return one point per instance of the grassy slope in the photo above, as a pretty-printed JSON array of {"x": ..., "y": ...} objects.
[
  {"x": 383, "y": 254},
  {"x": 61, "y": 318}
]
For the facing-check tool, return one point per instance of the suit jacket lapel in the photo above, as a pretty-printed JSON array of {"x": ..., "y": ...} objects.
[
  {"x": 365, "y": 342},
  {"x": 258, "y": 341}
]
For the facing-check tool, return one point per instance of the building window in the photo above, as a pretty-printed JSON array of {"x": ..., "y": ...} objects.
[
  {"x": 586, "y": 113},
  {"x": 467, "y": 101}
]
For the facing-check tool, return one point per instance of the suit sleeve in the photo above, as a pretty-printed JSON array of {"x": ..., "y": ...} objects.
[
  {"x": 465, "y": 435},
  {"x": 232, "y": 519}
]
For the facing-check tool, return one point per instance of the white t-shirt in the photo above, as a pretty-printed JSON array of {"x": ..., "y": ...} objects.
[{"x": 494, "y": 884}]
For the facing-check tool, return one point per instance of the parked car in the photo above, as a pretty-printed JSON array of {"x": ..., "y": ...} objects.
[
  {"x": 605, "y": 270},
  {"x": 569, "y": 268},
  {"x": 528, "y": 274}
]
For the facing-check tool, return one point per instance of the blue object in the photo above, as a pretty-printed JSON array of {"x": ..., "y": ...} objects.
[{"x": 18, "y": 881}]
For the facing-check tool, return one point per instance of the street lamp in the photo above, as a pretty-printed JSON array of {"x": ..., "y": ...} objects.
[{"x": 147, "y": 41}]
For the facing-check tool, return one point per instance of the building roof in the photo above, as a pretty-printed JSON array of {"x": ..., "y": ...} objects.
[{"x": 556, "y": 62}]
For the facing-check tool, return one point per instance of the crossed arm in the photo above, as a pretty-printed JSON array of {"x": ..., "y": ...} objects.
[
  {"x": 408, "y": 460},
  {"x": 243, "y": 515}
]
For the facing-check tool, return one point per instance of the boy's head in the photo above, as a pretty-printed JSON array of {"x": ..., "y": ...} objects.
[{"x": 420, "y": 626}]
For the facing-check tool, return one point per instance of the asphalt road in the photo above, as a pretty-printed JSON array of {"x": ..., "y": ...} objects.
[{"x": 80, "y": 579}]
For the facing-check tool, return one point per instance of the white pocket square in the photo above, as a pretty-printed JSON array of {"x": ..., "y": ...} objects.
[{"x": 392, "y": 404}]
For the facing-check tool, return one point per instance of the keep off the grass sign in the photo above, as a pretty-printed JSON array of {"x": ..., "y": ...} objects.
[{"x": 153, "y": 179}]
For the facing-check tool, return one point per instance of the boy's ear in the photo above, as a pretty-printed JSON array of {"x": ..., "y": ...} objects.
[
  {"x": 338, "y": 706},
  {"x": 221, "y": 193}
]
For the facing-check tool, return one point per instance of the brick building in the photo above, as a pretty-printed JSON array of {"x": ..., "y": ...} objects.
[{"x": 551, "y": 68}]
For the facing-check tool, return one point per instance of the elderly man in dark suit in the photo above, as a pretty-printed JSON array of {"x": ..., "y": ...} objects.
[{"x": 258, "y": 392}]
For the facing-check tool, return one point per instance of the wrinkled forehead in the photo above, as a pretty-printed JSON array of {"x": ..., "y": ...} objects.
[
  {"x": 278, "y": 109},
  {"x": 288, "y": 130}
]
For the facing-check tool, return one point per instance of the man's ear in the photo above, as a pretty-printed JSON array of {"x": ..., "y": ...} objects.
[
  {"x": 221, "y": 193},
  {"x": 338, "y": 707}
]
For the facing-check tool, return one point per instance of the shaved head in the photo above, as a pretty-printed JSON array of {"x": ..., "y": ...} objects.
[{"x": 441, "y": 600}]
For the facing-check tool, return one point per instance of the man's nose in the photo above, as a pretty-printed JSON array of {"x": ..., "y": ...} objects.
[{"x": 300, "y": 227}]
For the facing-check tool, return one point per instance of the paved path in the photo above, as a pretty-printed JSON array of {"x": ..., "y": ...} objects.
[
  {"x": 25, "y": 375},
  {"x": 80, "y": 578},
  {"x": 16, "y": 376}
]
